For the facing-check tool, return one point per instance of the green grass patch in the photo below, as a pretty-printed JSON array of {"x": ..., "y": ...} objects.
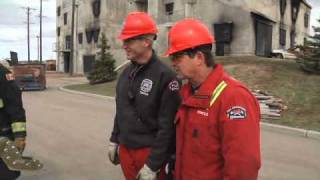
[
  {"x": 281, "y": 78},
  {"x": 105, "y": 89}
]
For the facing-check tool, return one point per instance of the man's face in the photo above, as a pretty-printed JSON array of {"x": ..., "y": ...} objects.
[
  {"x": 135, "y": 48},
  {"x": 184, "y": 65}
]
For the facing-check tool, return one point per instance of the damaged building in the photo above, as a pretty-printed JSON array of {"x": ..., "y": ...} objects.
[{"x": 240, "y": 27}]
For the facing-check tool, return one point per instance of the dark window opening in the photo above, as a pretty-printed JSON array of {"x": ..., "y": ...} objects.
[
  {"x": 58, "y": 31},
  {"x": 68, "y": 42},
  {"x": 92, "y": 34},
  {"x": 295, "y": 7},
  {"x": 65, "y": 18},
  {"x": 80, "y": 38},
  {"x": 283, "y": 34},
  {"x": 169, "y": 8},
  {"x": 283, "y": 5},
  {"x": 58, "y": 11},
  {"x": 96, "y": 4},
  {"x": 89, "y": 35},
  {"x": 96, "y": 33},
  {"x": 142, "y": 6},
  {"x": 306, "y": 20}
]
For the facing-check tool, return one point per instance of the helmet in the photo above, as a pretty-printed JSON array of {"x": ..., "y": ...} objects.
[
  {"x": 186, "y": 34},
  {"x": 137, "y": 23}
]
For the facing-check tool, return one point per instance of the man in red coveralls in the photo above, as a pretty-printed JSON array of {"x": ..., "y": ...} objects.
[{"x": 218, "y": 132}]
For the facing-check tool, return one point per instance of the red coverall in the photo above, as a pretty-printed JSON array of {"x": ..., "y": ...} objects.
[{"x": 218, "y": 132}]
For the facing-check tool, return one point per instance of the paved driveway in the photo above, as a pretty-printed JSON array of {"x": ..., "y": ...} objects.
[{"x": 69, "y": 134}]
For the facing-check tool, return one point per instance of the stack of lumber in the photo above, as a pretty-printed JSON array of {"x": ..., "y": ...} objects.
[{"x": 270, "y": 106}]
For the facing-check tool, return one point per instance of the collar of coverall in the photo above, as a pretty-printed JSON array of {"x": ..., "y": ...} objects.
[{"x": 202, "y": 96}]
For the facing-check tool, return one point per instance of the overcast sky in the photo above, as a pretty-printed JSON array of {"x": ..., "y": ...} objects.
[{"x": 13, "y": 27}]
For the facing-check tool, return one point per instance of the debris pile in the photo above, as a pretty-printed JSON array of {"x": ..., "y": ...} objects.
[{"x": 270, "y": 106}]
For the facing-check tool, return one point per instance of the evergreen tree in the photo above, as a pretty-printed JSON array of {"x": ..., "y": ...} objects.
[
  {"x": 311, "y": 63},
  {"x": 103, "y": 67}
]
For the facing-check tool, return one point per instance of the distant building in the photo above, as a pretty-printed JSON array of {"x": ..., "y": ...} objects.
[{"x": 241, "y": 27}]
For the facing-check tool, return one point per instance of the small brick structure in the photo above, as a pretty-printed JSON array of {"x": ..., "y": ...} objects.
[{"x": 30, "y": 76}]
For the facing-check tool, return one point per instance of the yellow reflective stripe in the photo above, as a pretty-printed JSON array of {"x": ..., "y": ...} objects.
[
  {"x": 18, "y": 127},
  {"x": 1, "y": 103},
  {"x": 216, "y": 93}
]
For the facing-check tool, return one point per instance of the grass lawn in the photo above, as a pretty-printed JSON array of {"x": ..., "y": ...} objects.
[{"x": 281, "y": 78}]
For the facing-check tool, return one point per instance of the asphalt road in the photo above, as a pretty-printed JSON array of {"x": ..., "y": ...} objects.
[{"x": 69, "y": 134}]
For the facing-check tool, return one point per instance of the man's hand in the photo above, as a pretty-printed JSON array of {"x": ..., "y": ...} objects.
[
  {"x": 146, "y": 174},
  {"x": 20, "y": 142},
  {"x": 113, "y": 153}
]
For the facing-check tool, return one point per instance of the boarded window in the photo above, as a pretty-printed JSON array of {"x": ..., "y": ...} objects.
[
  {"x": 306, "y": 20},
  {"x": 68, "y": 42},
  {"x": 65, "y": 18},
  {"x": 283, "y": 35},
  {"x": 96, "y": 4},
  {"x": 223, "y": 32},
  {"x": 58, "y": 31},
  {"x": 88, "y": 61},
  {"x": 80, "y": 38},
  {"x": 169, "y": 8},
  {"x": 58, "y": 10}
]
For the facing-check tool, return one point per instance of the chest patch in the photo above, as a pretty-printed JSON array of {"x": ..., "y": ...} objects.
[
  {"x": 237, "y": 113},
  {"x": 145, "y": 87},
  {"x": 203, "y": 113}
]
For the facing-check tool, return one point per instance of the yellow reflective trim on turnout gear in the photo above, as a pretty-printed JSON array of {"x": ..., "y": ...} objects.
[
  {"x": 18, "y": 127},
  {"x": 1, "y": 103},
  {"x": 217, "y": 91}
]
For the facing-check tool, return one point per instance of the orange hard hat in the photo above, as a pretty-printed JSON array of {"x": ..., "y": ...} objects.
[
  {"x": 186, "y": 34},
  {"x": 137, "y": 23}
]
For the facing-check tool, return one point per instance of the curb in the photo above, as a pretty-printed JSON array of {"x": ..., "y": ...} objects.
[
  {"x": 290, "y": 130},
  {"x": 86, "y": 94},
  {"x": 267, "y": 126}
]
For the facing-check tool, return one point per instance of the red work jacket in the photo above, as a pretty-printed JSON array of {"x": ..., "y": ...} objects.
[{"x": 218, "y": 132}]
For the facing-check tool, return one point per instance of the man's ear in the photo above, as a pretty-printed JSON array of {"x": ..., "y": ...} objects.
[
  {"x": 200, "y": 58},
  {"x": 147, "y": 42}
]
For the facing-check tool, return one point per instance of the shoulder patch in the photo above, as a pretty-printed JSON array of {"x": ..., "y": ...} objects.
[
  {"x": 174, "y": 85},
  {"x": 237, "y": 113}
]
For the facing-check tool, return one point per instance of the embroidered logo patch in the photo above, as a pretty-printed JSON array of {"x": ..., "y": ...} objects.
[
  {"x": 174, "y": 85},
  {"x": 237, "y": 113},
  {"x": 146, "y": 87}
]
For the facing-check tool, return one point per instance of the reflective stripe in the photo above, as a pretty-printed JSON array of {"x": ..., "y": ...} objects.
[
  {"x": 1, "y": 103},
  {"x": 18, "y": 127},
  {"x": 216, "y": 93}
]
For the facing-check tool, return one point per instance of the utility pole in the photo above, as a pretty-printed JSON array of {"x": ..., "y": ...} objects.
[
  {"x": 28, "y": 9},
  {"x": 38, "y": 49},
  {"x": 72, "y": 38},
  {"x": 40, "y": 31}
]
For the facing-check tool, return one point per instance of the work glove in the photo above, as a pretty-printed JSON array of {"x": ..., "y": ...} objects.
[
  {"x": 113, "y": 153},
  {"x": 20, "y": 143},
  {"x": 146, "y": 173}
]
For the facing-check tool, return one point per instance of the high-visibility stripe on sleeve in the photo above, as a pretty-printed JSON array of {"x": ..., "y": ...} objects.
[
  {"x": 216, "y": 93},
  {"x": 18, "y": 127},
  {"x": 1, "y": 103}
]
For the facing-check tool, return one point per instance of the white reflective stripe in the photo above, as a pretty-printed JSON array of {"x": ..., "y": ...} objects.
[
  {"x": 19, "y": 127},
  {"x": 1, "y": 103}
]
